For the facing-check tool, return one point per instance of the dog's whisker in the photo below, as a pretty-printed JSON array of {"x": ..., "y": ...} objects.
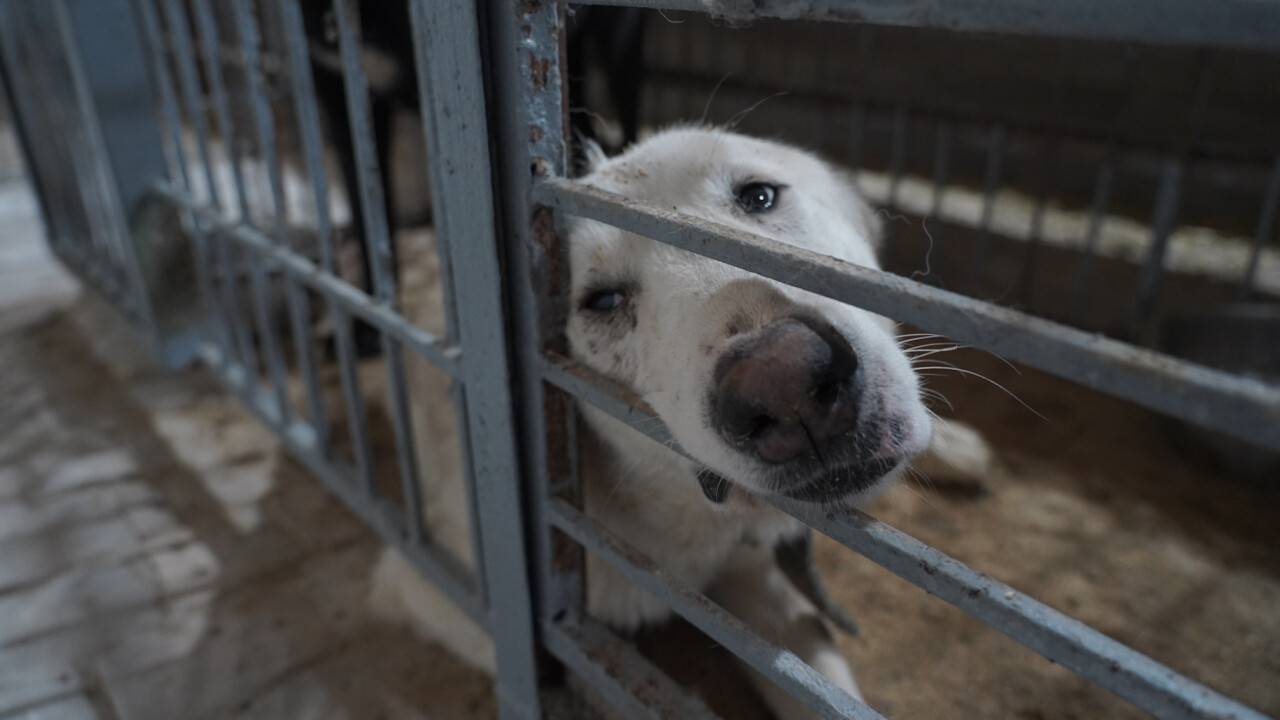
[
  {"x": 706, "y": 109},
  {"x": 742, "y": 114},
  {"x": 947, "y": 367},
  {"x": 926, "y": 351},
  {"x": 915, "y": 359},
  {"x": 919, "y": 336},
  {"x": 926, "y": 486},
  {"x": 930, "y": 393}
]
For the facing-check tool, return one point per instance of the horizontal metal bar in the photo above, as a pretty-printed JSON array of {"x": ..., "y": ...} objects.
[
  {"x": 1062, "y": 639},
  {"x": 1241, "y": 24},
  {"x": 774, "y": 662},
  {"x": 1240, "y": 406},
  {"x": 446, "y": 358},
  {"x": 616, "y": 669},
  {"x": 447, "y": 573},
  {"x": 1265, "y": 230}
]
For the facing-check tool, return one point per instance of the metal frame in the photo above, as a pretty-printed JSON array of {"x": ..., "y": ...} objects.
[{"x": 491, "y": 81}]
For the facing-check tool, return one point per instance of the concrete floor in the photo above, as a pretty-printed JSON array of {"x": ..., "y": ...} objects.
[{"x": 159, "y": 557}]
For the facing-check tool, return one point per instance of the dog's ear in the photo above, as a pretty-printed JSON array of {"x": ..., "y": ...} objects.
[{"x": 860, "y": 213}]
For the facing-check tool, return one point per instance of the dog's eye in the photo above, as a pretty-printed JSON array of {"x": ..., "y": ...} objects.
[
  {"x": 757, "y": 197},
  {"x": 604, "y": 301}
]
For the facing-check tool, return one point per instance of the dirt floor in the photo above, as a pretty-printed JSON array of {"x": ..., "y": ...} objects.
[{"x": 1099, "y": 511}]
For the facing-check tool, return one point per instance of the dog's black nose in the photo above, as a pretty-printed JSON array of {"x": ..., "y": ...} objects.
[{"x": 788, "y": 391}]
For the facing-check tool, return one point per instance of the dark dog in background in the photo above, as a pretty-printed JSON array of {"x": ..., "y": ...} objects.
[{"x": 599, "y": 39}]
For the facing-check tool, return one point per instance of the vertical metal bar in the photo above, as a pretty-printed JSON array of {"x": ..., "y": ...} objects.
[
  {"x": 368, "y": 177},
  {"x": 1264, "y": 231},
  {"x": 465, "y": 210},
  {"x": 112, "y": 57},
  {"x": 299, "y": 305},
  {"x": 189, "y": 84},
  {"x": 898, "y": 153},
  {"x": 308, "y": 116},
  {"x": 991, "y": 185},
  {"x": 85, "y": 156},
  {"x": 248, "y": 35},
  {"x": 107, "y": 171},
  {"x": 529, "y": 78},
  {"x": 458, "y": 396},
  {"x": 1097, "y": 214},
  {"x": 164, "y": 83},
  {"x": 857, "y": 132},
  {"x": 37, "y": 172},
  {"x": 30, "y": 112},
  {"x": 210, "y": 47},
  {"x": 378, "y": 240},
  {"x": 1035, "y": 234},
  {"x": 1152, "y": 273},
  {"x": 897, "y": 166},
  {"x": 941, "y": 160},
  {"x": 444, "y": 255}
]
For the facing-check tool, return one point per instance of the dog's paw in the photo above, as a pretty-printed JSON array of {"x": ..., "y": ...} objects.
[
  {"x": 400, "y": 596},
  {"x": 959, "y": 459}
]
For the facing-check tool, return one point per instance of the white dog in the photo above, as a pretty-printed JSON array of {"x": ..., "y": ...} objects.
[{"x": 773, "y": 390}]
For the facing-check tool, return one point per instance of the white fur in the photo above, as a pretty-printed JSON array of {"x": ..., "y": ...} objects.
[{"x": 681, "y": 304}]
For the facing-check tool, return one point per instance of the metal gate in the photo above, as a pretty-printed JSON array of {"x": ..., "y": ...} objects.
[{"x": 491, "y": 83}]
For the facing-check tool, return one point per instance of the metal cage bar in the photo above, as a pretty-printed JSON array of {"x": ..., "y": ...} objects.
[
  {"x": 774, "y": 662},
  {"x": 1239, "y": 24},
  {"x": 496, "y": 195},
  {"x": 462, "y": 187},
  {"x": 1265, "y": 230},
  {"x": 1078, "y": 647},
  {"x": 378, "y": 241},
  {"x": 297, "y": 302},
  {"x": 1246, "y": 408},
  {"x": 615, "y": 669}
]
